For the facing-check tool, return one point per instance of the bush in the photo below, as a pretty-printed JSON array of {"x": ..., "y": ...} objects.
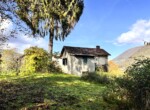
[
  {"x": 133, "y": 90},
  {"x": 116, "y": 96},
  {"x": 137, "y": 83},
  {"x": 37, "y": 60}
]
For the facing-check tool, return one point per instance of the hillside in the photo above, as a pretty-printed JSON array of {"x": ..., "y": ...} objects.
[
  {"x": 50, "y": 92},
  {"x": 128, "y": 57}
]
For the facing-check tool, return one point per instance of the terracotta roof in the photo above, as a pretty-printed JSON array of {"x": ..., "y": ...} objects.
[{"x": 81, "y": 51}]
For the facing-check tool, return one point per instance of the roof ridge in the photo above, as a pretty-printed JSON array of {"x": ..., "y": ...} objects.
[
  {"x": 81, "y": 47},
  {"x": 84, "y": 51}
]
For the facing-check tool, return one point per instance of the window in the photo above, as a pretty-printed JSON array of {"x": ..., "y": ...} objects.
[
  {"x": 64, "y": 61},
  {"x": 105, "y": 68},
  {"x": 85, "y": 60}
]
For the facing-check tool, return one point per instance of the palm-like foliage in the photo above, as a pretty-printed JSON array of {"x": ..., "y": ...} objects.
[{"x": 55, "y": 18}]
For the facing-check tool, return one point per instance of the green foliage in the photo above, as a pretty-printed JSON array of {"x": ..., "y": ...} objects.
[
  {"x": 100, "y": 76},
  {"x": 49, "y": 91},
  {"x": 117, "y": 97},
  {"x": 133, "y": 90},
  {"x": 137, "y": 83},
  {"x": 35, "y": 60},
  {"x": 61, "y": 17},
  {"x": 55, "y": 18}
]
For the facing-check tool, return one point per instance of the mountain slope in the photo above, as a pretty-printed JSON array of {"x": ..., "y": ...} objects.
[{"x": 128, "y": 57}]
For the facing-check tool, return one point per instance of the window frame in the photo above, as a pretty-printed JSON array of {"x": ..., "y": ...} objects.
[
  {"x": 64, "y": 61},
  {"x": 85, "y": 60}
]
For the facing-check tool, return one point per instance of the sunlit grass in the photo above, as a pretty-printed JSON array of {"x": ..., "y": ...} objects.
[{"x": 55, "y": 91}]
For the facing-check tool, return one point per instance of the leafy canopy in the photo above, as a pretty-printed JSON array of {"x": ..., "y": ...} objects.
[{"x": 57, "y": 17}]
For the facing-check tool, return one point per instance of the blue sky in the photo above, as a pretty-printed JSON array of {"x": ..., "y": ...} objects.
[
  {"x": 115, "y": 25},
  {"x": 104, "y": 21}
]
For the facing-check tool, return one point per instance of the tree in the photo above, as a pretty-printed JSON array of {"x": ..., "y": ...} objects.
[
  {"x": 55, "y": 18},
  {"x": 8, "y": 14},
  {"x": 9, "y": 60},
  {"x": 5, "y": 8}
]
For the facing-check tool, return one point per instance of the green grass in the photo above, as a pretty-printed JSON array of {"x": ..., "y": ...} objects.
[{"x": 49, "y": 92}]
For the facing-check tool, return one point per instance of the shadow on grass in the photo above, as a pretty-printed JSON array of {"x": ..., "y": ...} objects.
[{"x": 52, "y": 92}]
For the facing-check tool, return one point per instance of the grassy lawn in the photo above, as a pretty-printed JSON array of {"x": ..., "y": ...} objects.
[{"x": 50, "y": 92}]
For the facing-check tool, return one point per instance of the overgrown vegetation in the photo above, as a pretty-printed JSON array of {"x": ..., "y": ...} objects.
[
  {"x": 102, "y": 77},
  {"x": 35, "y": 59},
  {"x": 132, "y": 91},
  {"x": 49, "y": 91}
]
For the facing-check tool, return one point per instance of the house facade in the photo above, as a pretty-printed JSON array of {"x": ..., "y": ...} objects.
[{"x": 78, "y": 60}]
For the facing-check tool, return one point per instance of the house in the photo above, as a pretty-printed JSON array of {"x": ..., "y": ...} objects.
[
  {"x": 78, "y": 60},
  {"x": 146, "y": 43}
]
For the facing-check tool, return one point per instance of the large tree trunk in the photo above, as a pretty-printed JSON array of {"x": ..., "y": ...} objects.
[{"x": 50, "y": 46}]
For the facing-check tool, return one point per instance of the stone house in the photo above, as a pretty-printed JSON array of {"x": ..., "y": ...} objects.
[{"x": 78, "y": 60}]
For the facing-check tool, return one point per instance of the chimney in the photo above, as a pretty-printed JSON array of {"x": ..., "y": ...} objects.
[{"x": 97, "y": 47}]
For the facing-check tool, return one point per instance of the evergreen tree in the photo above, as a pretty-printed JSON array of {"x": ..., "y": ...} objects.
[{"x": 55, "y": 18}]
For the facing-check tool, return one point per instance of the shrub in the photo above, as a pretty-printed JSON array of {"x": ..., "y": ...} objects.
[
  {"x": 137, "y": 83},
  {"x": 133, "y": 90},
  {"x": 116, "y": 96},
  {"x": 35, "y": 60}
]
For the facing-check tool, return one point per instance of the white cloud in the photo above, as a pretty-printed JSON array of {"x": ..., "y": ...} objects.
[
  {"x": 21, "y": 41},
  {"x": 139, "y": 32},
  {"x": 24, "y": 42}
]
